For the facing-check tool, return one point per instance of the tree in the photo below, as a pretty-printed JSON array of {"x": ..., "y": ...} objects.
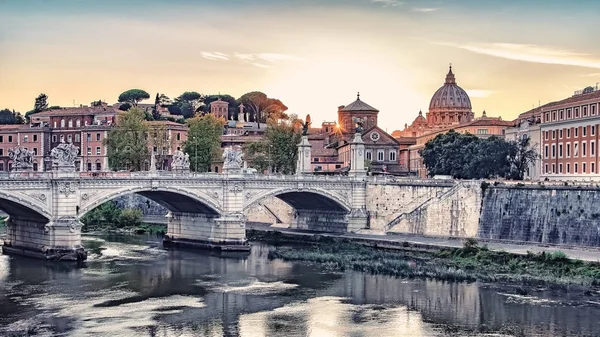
[
  {"x": 10, "y": 117},
  {"x": 160, "y": 142},
  {"x": 278, "y": 150},
  {"x": 521, "y": 156},
  {"x": 97, "y": 103},
  {"x": 129, "y": 218},
  {"x": 125, "y": 107},
  {"x": 203, "y": 144},
  {"x": 187, "y": 104},
  {"x": 41, "y": 103},
  {"x": 262, "y": 108},
  {"x": 133, "y": 96},
  {"x": 126, "y": 143}
]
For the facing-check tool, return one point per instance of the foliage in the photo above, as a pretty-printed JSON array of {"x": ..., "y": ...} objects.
[
  {"x": 133, "y": 96},
  {"x": 97, "y": 103},
  {"x": 278, "y": 150},
  {"x": 160, "y": 142},
  {"x": 41, "y": 103},
  {"x": 125, "y": 107},
  {"x": 466, "y": 156},
  {"x": 127, "y": 147},
  {"x": 204, "y": 141},
  {"x": 109, "y": 215},
  {"x": 262, "y": 108},
  {"x": 187, "y": 104},
  {"x": 11, "y": 117}
]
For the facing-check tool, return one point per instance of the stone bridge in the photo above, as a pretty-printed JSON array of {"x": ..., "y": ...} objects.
[{"x": 205, "y": 209}]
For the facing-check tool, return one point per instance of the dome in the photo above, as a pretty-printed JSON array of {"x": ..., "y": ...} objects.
[
  {"x": 450, "y": 96},
  {"x": 420, "y": 120}
]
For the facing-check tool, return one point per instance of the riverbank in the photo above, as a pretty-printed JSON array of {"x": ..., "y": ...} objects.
[
  {"x": 144, "y": 228},
  {"x": 472, "y": 262}
]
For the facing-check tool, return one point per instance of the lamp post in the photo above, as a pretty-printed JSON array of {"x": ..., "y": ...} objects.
[{"x": 195, "y": 154}]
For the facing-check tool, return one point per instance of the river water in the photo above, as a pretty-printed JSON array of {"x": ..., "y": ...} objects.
[{"x": 131, "y": 286}]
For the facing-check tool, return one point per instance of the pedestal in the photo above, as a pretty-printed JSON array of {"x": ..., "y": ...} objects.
[
  {"x": 304, "y": 161},
  {"x": 357, "y": 157}
]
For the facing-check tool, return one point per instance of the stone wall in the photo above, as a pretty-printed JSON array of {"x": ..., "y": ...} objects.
[
  {"x": 566, "y": 215},
  {"x": 270, "y": 210}
]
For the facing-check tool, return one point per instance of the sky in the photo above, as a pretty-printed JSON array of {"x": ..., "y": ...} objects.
[{"x": 313, "y": 55}]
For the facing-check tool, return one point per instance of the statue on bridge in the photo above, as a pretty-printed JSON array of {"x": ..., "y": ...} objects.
[
  {"x": 181, "y": 161},
  {"x": 232, "y": 159},
  {"x": 305, "y": 125},
  {"x": 359, "y": 124},
  {"x": 64, "y": 155},
  {"x": 22, "y": 158}
]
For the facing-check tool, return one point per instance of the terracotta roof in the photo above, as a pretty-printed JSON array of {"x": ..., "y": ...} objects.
[
  {"x": 75, "y": 111},
  {"x": 358, "y": 105},
  {"x": 573, "y": 99},
  {"x": 406, "y": 140},
  {"x": 489, "y": 122}
]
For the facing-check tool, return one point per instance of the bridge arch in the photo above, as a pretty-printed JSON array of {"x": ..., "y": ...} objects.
[
  {"x": 19, "y": 206},
  {"x": 314, "y": 199},
  {"x": 173, "y": 199}
]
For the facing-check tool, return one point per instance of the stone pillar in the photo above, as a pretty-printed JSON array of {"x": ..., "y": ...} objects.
[
  {"x": 303, "y": 163},
  {"x": 357, "y": 157},
  {"x": 358, "y": 217}
]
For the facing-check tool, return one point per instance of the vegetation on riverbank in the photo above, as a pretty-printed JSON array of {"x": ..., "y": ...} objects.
[
  {"x": 470, "y": 263},
  {"x": 108, "y": 217}
]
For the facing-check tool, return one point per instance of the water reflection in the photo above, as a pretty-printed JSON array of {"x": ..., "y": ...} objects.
[{"x": 132, "y": 287}]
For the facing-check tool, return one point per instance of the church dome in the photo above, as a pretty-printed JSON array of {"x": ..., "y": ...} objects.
[
  {"x": 450, "y": 96},
  {"x": 420, "y": 120}
]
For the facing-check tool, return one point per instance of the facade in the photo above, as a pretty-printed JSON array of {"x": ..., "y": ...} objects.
[
  {"x": 569, "y": 132},
  {"x": 449, "y": 109},
  {"x": 331, "y": 143},
  {"x": 527, "y": 125}
]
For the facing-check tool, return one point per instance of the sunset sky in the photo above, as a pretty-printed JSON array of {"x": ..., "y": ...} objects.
[{"x": 314, "y": 55}]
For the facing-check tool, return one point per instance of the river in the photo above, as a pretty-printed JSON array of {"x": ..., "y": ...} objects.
[{"x": 131, "y": 286}]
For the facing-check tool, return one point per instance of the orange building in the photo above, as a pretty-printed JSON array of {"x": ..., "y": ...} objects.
[{"x": 569, "y": 132}]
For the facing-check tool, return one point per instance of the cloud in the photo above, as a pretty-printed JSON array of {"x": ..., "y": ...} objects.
[
  {"x": 214, "y": 55},
  {"x": 261, "y": 60},
  {"x": 245, "y": 57},
  {"x": 388, "y": 3},
  {"x": 478, "y": 93},
  {"x": 424, "y": 10},
  {"x": 271, "y": 57},
  {"x": 529, "y": 53},
  {"x": 260, "y": 65},
  {"x": 592, "y": 75}
]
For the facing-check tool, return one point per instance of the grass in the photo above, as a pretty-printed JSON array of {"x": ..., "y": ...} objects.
[{"x": 471, "y": 262}]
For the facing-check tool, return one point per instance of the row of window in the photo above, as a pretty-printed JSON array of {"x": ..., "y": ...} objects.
[
  {"x": 567, "y": 166},
  {"x": 25, "y": 139},
  {"x": 559, "y": 133},
  {"x": 553, "y": 153},
  {"x": 562, "y": 114},
  {"x": 380, "y": 155}
]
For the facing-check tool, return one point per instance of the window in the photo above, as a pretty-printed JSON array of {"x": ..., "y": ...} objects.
[
  {"x": 482, "y": 131},
  {"x": 1, "y": 166},
  {"x": 70, "y": 139},
  {"x": 380, "y": 155},
  {"x": 392, "y": 155},
  {"x": 560, "y": 133},
  {"x": 553, "y": 134},
  {"x": 575, "y": 149},
  {"x": 98, "y": 167},
  {"x": 576, "y": 132},
  {"x": 35, "y": 151},
  {"x": 560, "y": 150},
  {"x": 583, "y": 149},
  {"x": 584, "y": 111},
  {"x": 25, "y": 139},
  {"x": 55, "y": 124},
  {"x": 575, "y": 168},
  {"x": 593, "y": 130},
  {"x": 553, "y": 168},
  {"x": 78, "y": 123},
  {"x": 89, "y": 166},
  {"x": 568, "y": 168},
  {"x": 97, "y": 136},
  {"x": 553, "y": 150},
  {"x": 553, "y": 115},
  {"x": 54, "y": 138},
  {"x": 562, "y": 114},
  {"x": 62, "y": 123},
  {"x": 582, "y": 167},
  {"x": 568, "y": 113},
  {"x": 547, "y": 135},
  {"x": 546, "y": 151},
  {"x": 584, "y": 131},
  {"x": 576, "y": 112},
  {"x": 569, "y": 133},
  {"x": 77, "y": 140},
  {"x": 369, "y": 155},
  {"x": 178, "y": 136},
  {"x": 70, "y": 123},
  {"x": 89, "y": 151},
  {"x": 35, "y": 166},
  {"x": 1, "y": 139},
  {"x": 593, "y": 109},
  {"x": 546, "y": 168},
  {"x": 546, "y": 118},
  {"x": 35, "y": 138},
  {"x": 568, "y": 150},
  {"x": 592, "y": 148},
  {"x": 89, "y": 137},
  {"x": 1, "y": 153},
  {"x": 10, "y": 139},
  {"x": 62, "y": 138},
  {"x": 592, "y": 168},
  {"x": 560, "y": 167},
  {"x": 98, "y": 151}
]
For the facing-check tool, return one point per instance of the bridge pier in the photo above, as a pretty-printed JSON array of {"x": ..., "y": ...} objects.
[
  {"x": 58, "y": 240},
  {"x": 226, "y": 232}
]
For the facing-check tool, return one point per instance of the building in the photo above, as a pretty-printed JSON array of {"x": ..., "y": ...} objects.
[
  {"x": 569, "y": 132},
  {"x": 527, "y": 125},
  {"x": 331, "y": 143},
  {"x": 36, "y": 139},
  {"x": 449, "y": 109}
]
